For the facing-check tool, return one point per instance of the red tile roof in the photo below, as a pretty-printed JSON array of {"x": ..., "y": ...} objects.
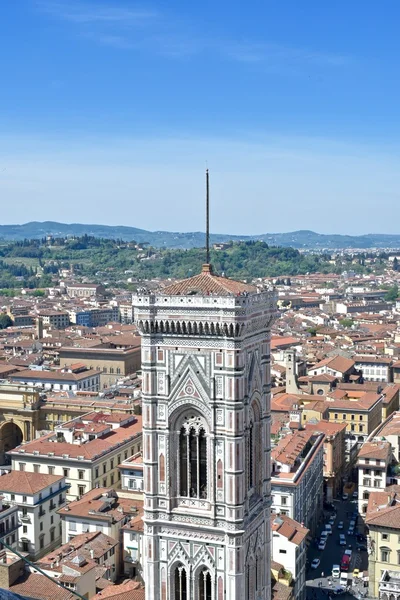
[
  {"x": 23, "y": 482},
  {"x": 207, "y": 283}
]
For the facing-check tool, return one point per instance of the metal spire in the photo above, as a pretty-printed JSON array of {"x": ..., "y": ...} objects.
[{"x": 207, "y": 218}]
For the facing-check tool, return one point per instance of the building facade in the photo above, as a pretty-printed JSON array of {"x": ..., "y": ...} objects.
[
  {"x": 206, "y": 439},
  {"x": 36, "y": 498}
]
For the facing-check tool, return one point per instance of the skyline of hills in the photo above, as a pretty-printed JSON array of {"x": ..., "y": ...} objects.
[{"x": 302, "y": 239}]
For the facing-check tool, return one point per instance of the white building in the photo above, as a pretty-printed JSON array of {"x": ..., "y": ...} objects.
[
  {"x": 86, "y": 451},
  {"x": 373, "y": 461},
  {"x": 374, "y": 368},
  {"x": 297, "y": 477},
  {"x": 37, "y": 498},
  {"x": 206, "y": 439},
  {"x": 132, "y": 548},
  {"x": 131, "y": 471},
  {"x": 73, "y": 380},
  {"x": 9, "y": 523},
  {"x": 289, "y": 548},
  {"x": 101, "y": 509}
]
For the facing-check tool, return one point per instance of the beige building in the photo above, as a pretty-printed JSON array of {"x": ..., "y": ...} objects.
[
  {"x": 361, "y": 411},
  {"x": 112, "y": 359},
  {"x": 85, "y": 290},
  {"x": 383, "y": 521}
]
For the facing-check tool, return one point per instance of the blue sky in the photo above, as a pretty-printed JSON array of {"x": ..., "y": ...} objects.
[{"x": 110, "y": 110}]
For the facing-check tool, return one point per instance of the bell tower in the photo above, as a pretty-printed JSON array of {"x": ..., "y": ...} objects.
[{"x": 206, "y": 439}]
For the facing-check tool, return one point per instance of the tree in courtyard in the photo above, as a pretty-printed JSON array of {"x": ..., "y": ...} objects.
[{"x": 5, "y": 321}]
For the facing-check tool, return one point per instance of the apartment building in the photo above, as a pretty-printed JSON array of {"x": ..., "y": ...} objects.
[
  {"x": 86, "y": 450},
  {"x": 289, "y": 547},
  {"x": 383, "y": 521},
  {"x": 374, "y": 459},
  {"x": 54, "y": 318},
  {"x": 297, "y": 477},
  {"x": 374, "y": 368},
  {"x": 361, "y": 411},
  {"x": 36, "y": 498},
  {"x": 72, "y": 380},
  {"x": 9, "y": 523},
  {"x": 101, "y": 509}
]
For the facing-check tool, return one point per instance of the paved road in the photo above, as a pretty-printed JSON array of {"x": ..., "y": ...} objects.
[{"x": 319, "y": 586}]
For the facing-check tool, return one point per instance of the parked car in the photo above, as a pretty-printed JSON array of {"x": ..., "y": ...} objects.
[
  {"x": 329, "y": 506},
  {"x": 332, "y": 520},
  {"x": 336, "y": 571},
  {"x": 362, "y": 547},
  {"x": 352, "y": 523},
  {"x": 321, "y": 545},
  {"x": 345, "y": 497},
  {"x": 324, "y": 534},
  {"x": 345, "y": 564},
  {"x": 315, "y": 563},
  {"x": 355, "y": 495},
  {"x": 356, "y": 573},
  {"x": 343, "y": 579},
  {"x": 350, "y": 531},
  {"x": 340, "y": 525},
  {"x": 342, "y": 539},
  {"x": 328, "y": 528}
]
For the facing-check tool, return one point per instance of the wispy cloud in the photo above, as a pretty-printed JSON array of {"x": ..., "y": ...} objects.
[
  {"x": 97, "y": 13},
  {"x": 249, "y": 52},
  {"x": 143, "y": 28}
]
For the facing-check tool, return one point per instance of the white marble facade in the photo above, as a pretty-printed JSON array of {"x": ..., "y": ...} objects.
[{"x": 206, "y": 444}]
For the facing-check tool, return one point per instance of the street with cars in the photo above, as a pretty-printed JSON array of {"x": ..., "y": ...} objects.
[{"x": 337, "y": 557}]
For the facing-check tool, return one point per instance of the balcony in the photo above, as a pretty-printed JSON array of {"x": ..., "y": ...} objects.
[
  {"x": 42, "y": 513},
  {"x": 26, "y": 518}
]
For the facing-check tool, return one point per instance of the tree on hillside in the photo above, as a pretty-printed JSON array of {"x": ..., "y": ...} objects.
[{"x": 392, "y": 293}]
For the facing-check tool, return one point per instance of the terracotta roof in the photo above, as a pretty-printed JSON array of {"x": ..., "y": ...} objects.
[
  {"x": 381, "y": 511},
  {"x": 102, "y": 504},
  {"x": 129, "y": 590},
  {"x": 281, "y": 591},
  {"x": 379, "y": 450},
  {"x": 24, "y": 482},
  {"x": 289, "y": 528},
  {"x": 90, "y": 450},
  {"x": 33, "y": 585},
  {"x": 207, "y": 283},
  {"x": 31, "y": 375},
  {"x": 336, "y": 363}
]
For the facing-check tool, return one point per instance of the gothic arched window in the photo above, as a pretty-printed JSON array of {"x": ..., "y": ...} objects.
[
  {"x": 193, "y": 458},
  {"x": 205, "y": 586},
  {"x": 180, "y": 582}
]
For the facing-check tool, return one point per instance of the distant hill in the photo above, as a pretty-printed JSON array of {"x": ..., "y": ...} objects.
[{"x": 303, "y": 239}]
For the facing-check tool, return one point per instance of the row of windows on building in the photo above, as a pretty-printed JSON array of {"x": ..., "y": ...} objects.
[{"x": 344, "y": 417}]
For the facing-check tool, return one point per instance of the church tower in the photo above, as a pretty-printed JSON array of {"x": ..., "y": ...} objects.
[{"x": 206, "y": 439}]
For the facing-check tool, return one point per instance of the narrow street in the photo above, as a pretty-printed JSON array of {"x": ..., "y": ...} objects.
[{"x": 320, "y": 583}]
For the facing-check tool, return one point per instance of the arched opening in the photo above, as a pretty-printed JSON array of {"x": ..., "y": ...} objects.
[
  {"x": 180, "y": 583},
  {"x": 11, "y": 436},
  {"x": 205, "y": 585},
  {"x": 193, "y": 459}
]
